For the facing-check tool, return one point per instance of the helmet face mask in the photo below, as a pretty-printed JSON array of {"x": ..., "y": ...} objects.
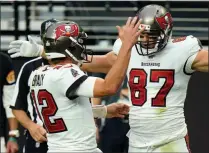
[
  {"x": 150, "y": 43},
  {"x": 66, "y": 39},
  {"x": 158, "y": 25}
]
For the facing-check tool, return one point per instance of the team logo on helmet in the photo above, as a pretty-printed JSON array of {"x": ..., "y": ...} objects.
[
  {"x": 66, "y": 30},
  {"x": 165, "y": 21}
]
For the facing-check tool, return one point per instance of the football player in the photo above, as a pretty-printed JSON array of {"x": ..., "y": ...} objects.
[
  {"x": 158, "y": 74},
  {"x": 22, "y": 103},
  {"x": 61, "y": 91},
  {"x": 22, "y": 106}
]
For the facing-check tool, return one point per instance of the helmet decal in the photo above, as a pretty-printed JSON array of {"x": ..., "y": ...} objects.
[
  {"x": 66, "y": 30},
  {"x": 165, "y": 21}
]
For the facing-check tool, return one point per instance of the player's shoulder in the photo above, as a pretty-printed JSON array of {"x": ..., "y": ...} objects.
[
  {"x": 67, "y": 70},
  {"x": 185, "y": 41},
  {"x": 188, "y": 44},
  {"x": 66, "y": 67}
]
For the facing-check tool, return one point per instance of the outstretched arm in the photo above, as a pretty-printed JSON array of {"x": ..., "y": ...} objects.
[
  {"x": 100, "y": 63},
  {"x": 110, "y": 111}
]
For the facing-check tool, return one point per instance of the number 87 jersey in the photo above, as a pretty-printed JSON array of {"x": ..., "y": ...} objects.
[{"x": 157, "y": 91}]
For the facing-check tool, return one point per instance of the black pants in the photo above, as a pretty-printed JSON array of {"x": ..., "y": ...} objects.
[
  {"x": 113, "y": 136},
  {"x": 31, "y": 146}
]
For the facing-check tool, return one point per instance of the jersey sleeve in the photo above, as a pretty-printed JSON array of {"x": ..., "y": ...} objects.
[
  {"x": 70, "y": 78},
  {"x": 116, "y": 47},
  {"x": 86, "y": 89},
  {"x": 194, "y": 47},
  {"x": 21, "y": 90}
]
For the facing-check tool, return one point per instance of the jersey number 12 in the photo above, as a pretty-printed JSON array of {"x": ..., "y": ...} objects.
[{"x": 49, "y": 110}]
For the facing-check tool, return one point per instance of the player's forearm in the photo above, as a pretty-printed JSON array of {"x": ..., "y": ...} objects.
[
  {"x": 99, "y": 64},
  {"x": 23, "y": 118},
  {"x": 13, "y": 125},
  {"x": 117, "y": 73},
  {"x": 96, "y": 101}
]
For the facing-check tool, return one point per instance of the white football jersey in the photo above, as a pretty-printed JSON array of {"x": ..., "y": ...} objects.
[
  {"x": 67, "y": 118},
  {"x": 157, "y": 90}
]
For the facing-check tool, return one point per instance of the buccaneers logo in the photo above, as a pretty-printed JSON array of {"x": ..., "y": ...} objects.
[
  {"x": 165, "y": 21},
  {"x": 66, "y": 30}
]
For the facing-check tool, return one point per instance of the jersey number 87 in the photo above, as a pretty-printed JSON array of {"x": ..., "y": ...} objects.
[{"x": 138, "y": 82}]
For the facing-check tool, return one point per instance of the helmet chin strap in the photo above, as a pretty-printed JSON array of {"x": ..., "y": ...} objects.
[{"x": 79, "y": 62}]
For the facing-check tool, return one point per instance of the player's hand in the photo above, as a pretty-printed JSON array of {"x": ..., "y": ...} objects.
[
  {"x": 24, "y": 48},
  {"x": 117, "y": 110},
  {"x": 130, "y": 32},
  {"x": 12, "y": 146},
  {"x": 37, "y": 132}
]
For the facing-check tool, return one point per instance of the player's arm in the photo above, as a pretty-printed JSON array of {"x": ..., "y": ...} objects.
[
  {"x": 36, "y": 131},
  {"x": 103, "y": 63},
  {"x": 97, "y": 87},
  {"x": 111, "y": 83},
  {"x": 100, "y": 63},
  {"x": 18, "y": 48},
  {"x": 114, "y": 78},
  {"x": 201, "y": 61},
  {"x": 96, "y": 101}
]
